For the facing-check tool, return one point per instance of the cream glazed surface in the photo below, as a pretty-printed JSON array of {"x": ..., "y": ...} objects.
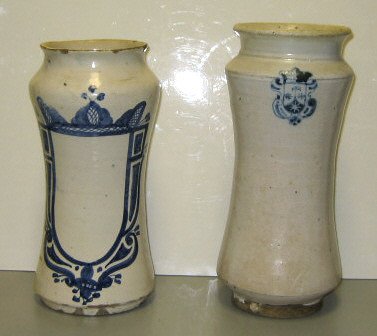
[
  {"x": 96, "y": 104},
  {"x": 288, "y": 88}
]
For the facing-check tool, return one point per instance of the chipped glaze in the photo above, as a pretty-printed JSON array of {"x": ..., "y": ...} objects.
[
  {"x": 95, "y": 102},
  {"x": 288, "y": 88}
]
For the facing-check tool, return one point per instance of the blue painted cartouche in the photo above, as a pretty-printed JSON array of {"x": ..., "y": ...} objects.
[{"x": 88, "y": 279}]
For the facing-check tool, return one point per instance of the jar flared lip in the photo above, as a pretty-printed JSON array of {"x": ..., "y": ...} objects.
[
  {"x": 292, "y": 29},
  {"x": 95, "y": 45}
]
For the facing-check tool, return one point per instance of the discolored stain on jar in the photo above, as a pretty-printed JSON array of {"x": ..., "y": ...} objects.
[
  {"x": 102, "y": 311},
  {"x": 78, "y": 311}
]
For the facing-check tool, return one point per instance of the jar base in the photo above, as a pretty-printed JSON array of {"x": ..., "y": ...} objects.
[
  {"x": 276, "y": 311},
  {"x": 94, "y": 310}
]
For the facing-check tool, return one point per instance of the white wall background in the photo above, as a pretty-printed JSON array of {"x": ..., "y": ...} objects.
[{"x": 191, "y": 160}]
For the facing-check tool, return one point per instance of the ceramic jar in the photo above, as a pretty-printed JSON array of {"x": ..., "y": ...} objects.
[
  {"x": 95, "y": 103},
  {"x": 288, "y": 89}
]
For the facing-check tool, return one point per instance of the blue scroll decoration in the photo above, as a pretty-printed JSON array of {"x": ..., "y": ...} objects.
[
  {"x": 293, "y": 95},
  {"x": 88, "y": 279}
]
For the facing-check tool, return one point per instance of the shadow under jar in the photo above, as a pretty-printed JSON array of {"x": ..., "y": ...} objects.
[
  {"x": 288, "y": 88},
  {"x": 96, "y": 104}
]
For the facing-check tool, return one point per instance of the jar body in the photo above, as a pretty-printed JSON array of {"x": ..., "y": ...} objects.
[
  {"x": 280, "y": 247},
  {"x": 96, "y": 111}
]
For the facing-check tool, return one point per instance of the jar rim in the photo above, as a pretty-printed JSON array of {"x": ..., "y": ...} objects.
[
  {"x": 291, "y": 29},
  {"x": 95, "y": 45}
]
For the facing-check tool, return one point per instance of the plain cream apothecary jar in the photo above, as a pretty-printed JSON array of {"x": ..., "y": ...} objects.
[
  {"x": 95, "y": 103},
  {"x": 288, "y": 88}
]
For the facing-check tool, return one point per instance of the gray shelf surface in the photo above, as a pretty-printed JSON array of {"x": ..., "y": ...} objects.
[{"x": 183, "y": 305}]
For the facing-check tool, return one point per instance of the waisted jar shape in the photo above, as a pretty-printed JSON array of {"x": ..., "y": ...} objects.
[
  {"x": 288, "y": 88},
  {"x": 95, "y": 103}
]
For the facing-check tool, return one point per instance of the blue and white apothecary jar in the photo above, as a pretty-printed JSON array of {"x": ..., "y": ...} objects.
[
  {"x": 96, "y": 103},
  {"x": 288, "y": 88}
]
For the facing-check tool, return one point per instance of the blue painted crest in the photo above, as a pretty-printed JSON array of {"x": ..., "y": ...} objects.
[
  {"x": 88, "y": 279},
  {"x": 293, "y": 95}
]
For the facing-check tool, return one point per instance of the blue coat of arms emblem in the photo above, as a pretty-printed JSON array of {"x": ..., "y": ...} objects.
[{"x": 293, "y": 95}]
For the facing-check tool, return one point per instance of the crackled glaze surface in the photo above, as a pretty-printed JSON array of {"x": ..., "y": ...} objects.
[
  {"x": 288, "y": 93},
  {"x": 95, "y": 103}
]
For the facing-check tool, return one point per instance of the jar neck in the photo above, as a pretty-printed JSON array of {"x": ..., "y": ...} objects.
[
  {"x": 90, "y": 60},
  {"x": 292, "y": 47}
]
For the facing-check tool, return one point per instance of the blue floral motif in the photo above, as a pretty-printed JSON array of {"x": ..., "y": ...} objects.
[
  {"x": 88, "y": 279},
  {"x": 293, "y": 95},
  {"x": 92, "y": 119},
  {"x": 92, "y": 114},
  {"x": 132, "y": 117}
]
